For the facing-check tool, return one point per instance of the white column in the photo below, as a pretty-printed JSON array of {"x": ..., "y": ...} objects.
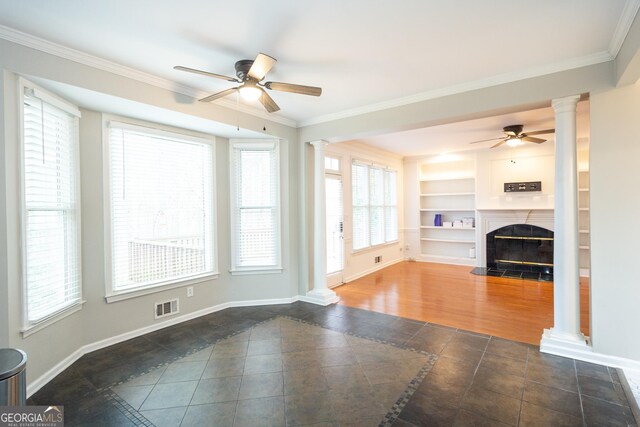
[
  {"x": 320, "y": 294},
  {"x": 565, "y": 337}
]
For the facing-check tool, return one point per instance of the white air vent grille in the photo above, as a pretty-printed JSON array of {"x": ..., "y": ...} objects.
[{"x": 166, "y": 308}]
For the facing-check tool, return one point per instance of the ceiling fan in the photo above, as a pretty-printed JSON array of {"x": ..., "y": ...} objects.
[
  {"x": 250, "y": 74},
  {"x": 515, "y": 136}
]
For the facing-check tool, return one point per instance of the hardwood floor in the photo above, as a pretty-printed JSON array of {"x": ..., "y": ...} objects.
[{"x": 450, "y": 295}]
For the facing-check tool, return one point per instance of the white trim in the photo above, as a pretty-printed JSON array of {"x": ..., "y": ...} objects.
[
  {"x": 275, "y": 270},
  {"x": 439, "y": 259},
  {"x": 370, "y": 270},
  {"x": 39, "y": 382},
  {"x": 321, "y": 297},
  {"x": 80, "y": 57},
  {"x": 569, "y": 64},
  {"x": 160, "y": 287},
  {"x": 586, "y": 354},
  {"x": 624, "y": 25},
  {"x": 67, "y": 311}
]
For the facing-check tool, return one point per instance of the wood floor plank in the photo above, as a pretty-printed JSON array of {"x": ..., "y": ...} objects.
[{"x": 450, "y": 295}]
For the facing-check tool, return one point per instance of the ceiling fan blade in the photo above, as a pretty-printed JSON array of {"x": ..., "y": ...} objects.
[
  {"x": 499, "y": 143},
  {"x": 261, "y": 66},
  {"x": 485, "y": 140},
  {"x": 539, "y": 132},
  {"x": 288, "y": 87},
  {"x": 530, "y": 139},
  {"x": 219, "y": 95},
  {"x": 206, "y": 73},
  {"x": 268, "y": 102}
]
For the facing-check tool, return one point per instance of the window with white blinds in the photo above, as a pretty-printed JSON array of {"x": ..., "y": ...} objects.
[
  {"x": 255, "y": 205},
  {"x": 50, "y": 194},
  {"x": 161, "y": 203},
  {"x": 375, "y": 205}
]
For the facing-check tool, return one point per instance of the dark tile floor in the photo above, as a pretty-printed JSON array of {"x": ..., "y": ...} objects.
[{"x": 306, "y": 365}]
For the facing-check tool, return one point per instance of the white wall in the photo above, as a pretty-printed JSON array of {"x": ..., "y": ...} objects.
[
  {"x": 98, "y": 320},
  {"x": 615, "y": 208},
  {"x": 528, "y": 162},
  {"x": 362, "y": 262}
]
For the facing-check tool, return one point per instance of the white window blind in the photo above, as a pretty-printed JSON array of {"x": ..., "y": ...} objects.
[
  {"x": 51, "y": 220},
  {"x": 390, "y": 206},
  {"x": 375, "y": 205},
  {"x": 255, "y": 205},
  {"x": 360, "y": 193},
  {"x": 161, "y": 201}
]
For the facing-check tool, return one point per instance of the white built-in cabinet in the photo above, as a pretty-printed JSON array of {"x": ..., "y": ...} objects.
[
  {"x": 583, "y": 220},
  {"x": 452, "y": 195}
]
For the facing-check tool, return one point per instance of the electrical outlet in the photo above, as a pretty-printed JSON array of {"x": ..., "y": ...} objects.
[{"x": 190, "y": 291}]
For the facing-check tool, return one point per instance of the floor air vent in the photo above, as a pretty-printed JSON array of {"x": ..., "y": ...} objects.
[{"x": 166, "y": 308}]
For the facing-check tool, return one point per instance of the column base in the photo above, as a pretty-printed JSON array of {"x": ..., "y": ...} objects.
[
  {"x": 566, "y": 345},
  {"x": 321, "y": 297}
]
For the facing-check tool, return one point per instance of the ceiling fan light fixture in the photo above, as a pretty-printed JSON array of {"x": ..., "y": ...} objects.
[
  {"x": 514, "y": 142},
  {"x": 250, "y": 92}
]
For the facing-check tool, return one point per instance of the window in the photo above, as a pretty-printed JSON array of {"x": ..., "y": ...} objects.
[
  {"x": 375, "y": 205},
  {"x": 161, "y": 200},
  {"x": 51, "y": 214},
  {"x": 332, "y": 164},
  {"x": 255, "y": 206}
]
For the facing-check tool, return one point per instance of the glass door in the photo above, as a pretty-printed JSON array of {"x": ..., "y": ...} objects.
[{"x": 335, "y": 228}]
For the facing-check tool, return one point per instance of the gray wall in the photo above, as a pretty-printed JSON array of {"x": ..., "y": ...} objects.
[{"x": 98, "y": 320}]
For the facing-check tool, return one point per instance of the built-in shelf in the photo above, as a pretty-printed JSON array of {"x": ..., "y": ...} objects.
[
  {"x": 430, "y": 239},
  {"x": 454, "y": 197},
  {"x": 583, "y": 189},
  {"x": 583, "y": 247},
  {"x": 583, "y": 231},
  {"x": 446, "y": 194},
  {"x": 447, "y": 228},
  {"x": 460, "y": 178},
  {"x": 583, "y": 209},
  {"x": 447, "y": 210}
]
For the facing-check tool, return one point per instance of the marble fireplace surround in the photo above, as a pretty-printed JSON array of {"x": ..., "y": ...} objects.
[{"x": 489, "y": 220}]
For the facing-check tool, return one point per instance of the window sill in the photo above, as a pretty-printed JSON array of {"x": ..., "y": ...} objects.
[
  {"x": 276, "y": 270},
  {"x": 48, "y": 321},
  {"x": 376, "y": 247},
  {"x": 135, "y": 293}
]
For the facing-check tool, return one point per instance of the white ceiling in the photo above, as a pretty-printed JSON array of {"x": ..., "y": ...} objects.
[
  {"x": 363, "y": 54},
  {"x": 455, "y": 137}
]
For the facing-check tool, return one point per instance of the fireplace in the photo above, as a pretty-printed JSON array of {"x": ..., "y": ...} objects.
[{"x": 521, "y": 248}]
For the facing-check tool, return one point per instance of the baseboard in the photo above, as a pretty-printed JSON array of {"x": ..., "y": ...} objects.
[
  {"x": 588, "y": 355},
  {"x": 371, "y": 270},
  {"x": 39, "y": 382}
]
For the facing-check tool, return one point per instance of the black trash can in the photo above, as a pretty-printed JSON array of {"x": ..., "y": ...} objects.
[{"x": 13, "y": 377}]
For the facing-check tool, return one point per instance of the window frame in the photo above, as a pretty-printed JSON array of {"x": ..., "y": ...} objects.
[
  {"x": 384, "y": 169},
  {"x": 112, "y": 294},
  {"x": 263, "y": 144},
  {"x": 31, "y": 327}
]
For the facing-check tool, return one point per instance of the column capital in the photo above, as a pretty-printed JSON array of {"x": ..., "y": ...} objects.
[
  {"x": 319, "y": 144},
  {"x": 568, "y": 103}
]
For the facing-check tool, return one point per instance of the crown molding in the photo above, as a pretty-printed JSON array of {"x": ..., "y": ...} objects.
[
  {"x": 46, "y": 46},
  {"x": 627, "y": 16},
  {"x": 570, "y": 64}
]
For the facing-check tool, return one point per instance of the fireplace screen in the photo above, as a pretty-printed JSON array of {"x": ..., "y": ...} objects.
[{"x": 521, "y": 247}]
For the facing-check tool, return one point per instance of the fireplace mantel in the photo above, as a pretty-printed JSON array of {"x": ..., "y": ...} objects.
[{"x": 488, "y": 220}]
